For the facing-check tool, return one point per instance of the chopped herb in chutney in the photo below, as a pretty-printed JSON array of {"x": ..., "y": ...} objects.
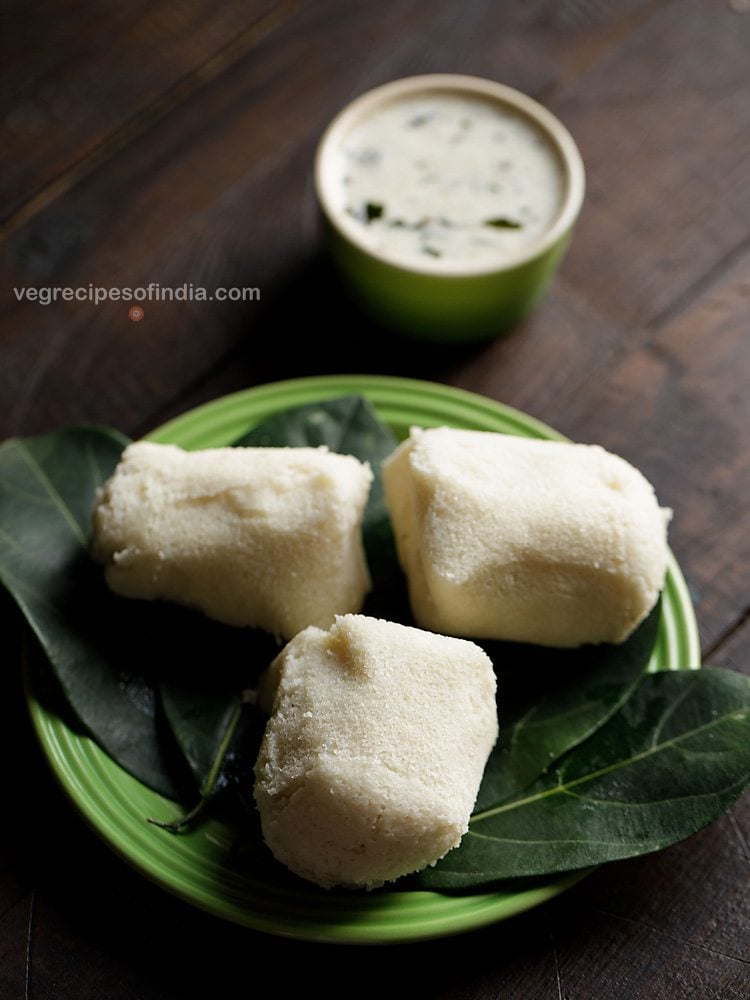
[{"x": 503, "y": 223}]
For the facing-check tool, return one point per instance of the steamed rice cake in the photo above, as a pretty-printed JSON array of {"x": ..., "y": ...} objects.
[
  {"x": 266, "y": 537},
  {"x": 536, "y": 541},
  {"x": 372, "y": 758}
]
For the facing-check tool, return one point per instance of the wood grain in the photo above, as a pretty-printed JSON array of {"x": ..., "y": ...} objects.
[
  {"x": 220, "y": 194},
  {"x": 172, "y": 142},
  {"x": 96, "y": 68},
  {"x": 663, "y": 125},
  {"x": 734, "y": 652}
]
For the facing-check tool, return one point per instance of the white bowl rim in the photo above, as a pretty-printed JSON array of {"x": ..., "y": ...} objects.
[{"x": 557, "y": 134}]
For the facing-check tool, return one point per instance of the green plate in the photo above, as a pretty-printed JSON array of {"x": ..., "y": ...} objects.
[{"x": 198, "y": 866}]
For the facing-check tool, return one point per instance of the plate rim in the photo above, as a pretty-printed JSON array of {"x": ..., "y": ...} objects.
[{"x": 489, "y": 907}]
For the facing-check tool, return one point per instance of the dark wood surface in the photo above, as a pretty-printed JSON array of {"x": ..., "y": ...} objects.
[{"x": 172, "y": 142}]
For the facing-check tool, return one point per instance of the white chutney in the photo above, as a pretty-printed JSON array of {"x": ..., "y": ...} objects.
[{"x": 445, "y": 177}]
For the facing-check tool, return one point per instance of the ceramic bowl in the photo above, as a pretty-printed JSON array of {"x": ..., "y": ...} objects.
[{"x": 446, "y": 299}]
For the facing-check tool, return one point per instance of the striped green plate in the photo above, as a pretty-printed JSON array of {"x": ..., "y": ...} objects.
[{"x": 198, "y": 866}]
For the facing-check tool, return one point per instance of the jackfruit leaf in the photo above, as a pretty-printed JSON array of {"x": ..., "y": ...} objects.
[
  {"x": 112, "y": 657},
  {"x": 47, "y": 490},
  {"x": 567, "y": 696},
  {"x": 669, "y": 762}
]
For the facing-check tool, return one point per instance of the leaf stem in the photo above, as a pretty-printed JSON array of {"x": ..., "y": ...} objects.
[
  {"x": 175, "y": 825},
  {"x": 207, "y": 789}
]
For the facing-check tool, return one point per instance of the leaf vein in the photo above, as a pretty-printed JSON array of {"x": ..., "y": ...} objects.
[
  {"x": 553, "y": 840},
  {"x": 671, "y": 709},
  {"x": 519, "y": 726},
  {"x": 609, "y": 769},
  {"x": 55, "y": 497}
]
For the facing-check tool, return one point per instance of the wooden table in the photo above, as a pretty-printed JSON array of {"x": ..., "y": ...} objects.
[{"x": 172, "y": 143}]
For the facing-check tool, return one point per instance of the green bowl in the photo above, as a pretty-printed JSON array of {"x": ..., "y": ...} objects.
[{"x": 442, "y": 299}]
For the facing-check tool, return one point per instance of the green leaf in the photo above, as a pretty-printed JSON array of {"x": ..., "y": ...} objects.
[
  {"x": 556, "y": 703},
  {"x": 226, "y": 721},
  {"x": 503, "y": 223},
  {"x": 373, "y": 210},
  {"x": 201, "y": 698},
  {"x": 113, "y": 657},
  {"x": 671, "y": 761},
  {"x": 47, "y": 489},
  {"x": 201, "y": 722},
  {"x": 220, "y": 735}
]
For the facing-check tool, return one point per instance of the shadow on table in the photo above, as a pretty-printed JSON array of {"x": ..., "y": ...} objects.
[{"x": 308, "y": 324}]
